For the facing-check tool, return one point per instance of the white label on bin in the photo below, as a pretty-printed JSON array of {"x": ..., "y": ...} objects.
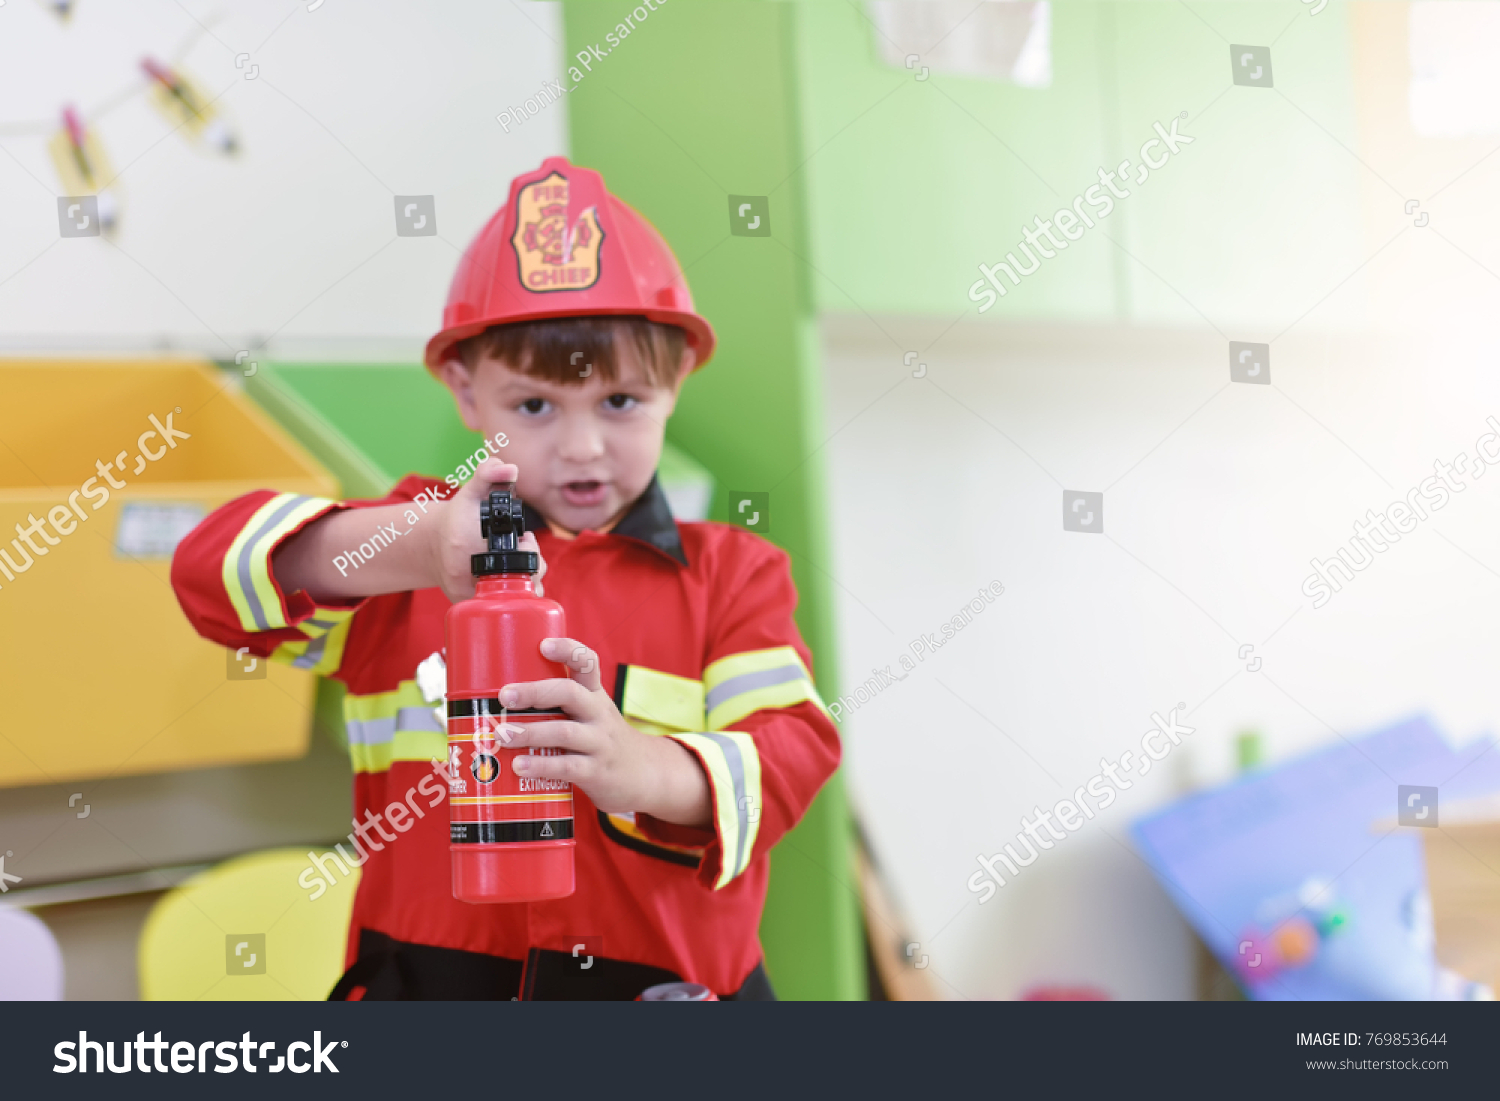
[{"x": 154, "y": 530}]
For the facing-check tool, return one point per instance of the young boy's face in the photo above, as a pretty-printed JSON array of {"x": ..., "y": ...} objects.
[{"x": 586, "y": 450}]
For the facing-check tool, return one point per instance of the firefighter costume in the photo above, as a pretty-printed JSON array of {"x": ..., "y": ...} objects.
[{"x": 694, "y": 619}]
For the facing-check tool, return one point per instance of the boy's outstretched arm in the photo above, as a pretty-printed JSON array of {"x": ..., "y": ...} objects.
[
  {"x": 433, "y": 552},
  {"x": 261, "y": 573}
]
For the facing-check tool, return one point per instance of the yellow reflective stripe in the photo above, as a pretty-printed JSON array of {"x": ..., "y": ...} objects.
[
  {"x": 289, "y": 652},
  {"x": 229, "y": 571},
  {"x": 750, "y": 661},
  {"x": 320, "y": 654},
  {"x": 332, "y": 656},
  {"x": 393, "y": 726},
  {"x": 655, "y": 729},
  {"x": 732, "y": 763},
  {"x": 662, "y": 699},
  {"x": 324, "y": 620},
  {"x": 407, "y": 745},
  {"x": 246, "y": 568},
  {"x": 384, "y": 705},
  {"x": 740, "y": 684}
]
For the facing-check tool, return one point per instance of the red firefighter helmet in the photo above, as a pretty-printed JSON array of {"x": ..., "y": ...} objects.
[{"x": 563, "y": 246}]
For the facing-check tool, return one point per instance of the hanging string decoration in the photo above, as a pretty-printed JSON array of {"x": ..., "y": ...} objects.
[
  {"x": 77, "y": 153},
  {"x": 84, "y": 167},
  {"x": 185, "y": 106}
]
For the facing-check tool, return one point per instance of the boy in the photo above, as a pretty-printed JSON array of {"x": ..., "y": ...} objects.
[{"x": 694, "y": 738}]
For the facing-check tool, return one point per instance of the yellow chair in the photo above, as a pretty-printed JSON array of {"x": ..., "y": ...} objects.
[{"x": 248, "y": 930}]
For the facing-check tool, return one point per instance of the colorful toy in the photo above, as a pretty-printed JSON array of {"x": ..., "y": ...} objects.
[{"x": 1290, "y": 930}]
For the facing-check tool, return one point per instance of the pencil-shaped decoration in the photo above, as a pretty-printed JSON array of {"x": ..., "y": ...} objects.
[
  {"x": 184, "y": 105},
  {"x": 83, "y": 167}
]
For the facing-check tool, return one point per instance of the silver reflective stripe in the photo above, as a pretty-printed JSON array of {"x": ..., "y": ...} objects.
[
  {"x": 376, "y": 731},
  {"x": 749, "y": 682},
  {"x": 313, "y": 654},
  {"x": 736, "y": 763},
  {"x": 242, "y": 567},
  {"x": 417, "y": 718},
  {"x": 325, "y": 624}
]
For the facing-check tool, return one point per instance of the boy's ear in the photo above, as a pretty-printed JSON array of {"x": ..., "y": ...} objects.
[{"x": 460, "y": 380}]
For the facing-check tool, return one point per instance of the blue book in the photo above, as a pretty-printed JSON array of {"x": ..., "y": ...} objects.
[{"x": 1299, "y": 878}]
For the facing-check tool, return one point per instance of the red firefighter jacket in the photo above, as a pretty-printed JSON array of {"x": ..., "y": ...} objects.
[{"x": 695, "y": 622}]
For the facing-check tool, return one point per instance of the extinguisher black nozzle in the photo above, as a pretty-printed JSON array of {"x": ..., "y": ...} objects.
[
  {"x": 516, "y": 561},
  {"x": 502, "y": 522}
]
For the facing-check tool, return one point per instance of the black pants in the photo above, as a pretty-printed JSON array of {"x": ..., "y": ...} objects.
[{"x": 393, "y": 970}]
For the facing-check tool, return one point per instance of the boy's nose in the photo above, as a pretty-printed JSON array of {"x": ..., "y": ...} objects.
[{"x": 581, "y": 440}]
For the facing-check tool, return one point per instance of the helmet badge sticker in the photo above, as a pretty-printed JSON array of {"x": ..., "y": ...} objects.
[{"x": 552, "y": 255}]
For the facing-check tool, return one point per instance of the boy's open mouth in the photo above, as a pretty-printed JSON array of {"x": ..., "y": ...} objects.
[{"x": 583, "y": 494}]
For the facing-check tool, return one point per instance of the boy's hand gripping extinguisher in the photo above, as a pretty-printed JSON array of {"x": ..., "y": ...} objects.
[{"x": 511, "y": 837}]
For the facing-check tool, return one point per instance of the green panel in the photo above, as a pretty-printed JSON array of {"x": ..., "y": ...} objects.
[
  {"x": 395, "y": 415},
  {"x": 358, "y": 476},
  {"x": 1268, "y": 184},
  {"x": 328, "y": 718},
  {"x": 913, "y": 183},
  {"x": 696, "y": 105},
  {"x": 675, "y": 466}
]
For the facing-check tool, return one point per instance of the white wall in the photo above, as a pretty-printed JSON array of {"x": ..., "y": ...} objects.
[
  {"x": 1206, "y": 545},
  {"x": 1216, "y": 495},
  {"x": 352, "y": 105}
]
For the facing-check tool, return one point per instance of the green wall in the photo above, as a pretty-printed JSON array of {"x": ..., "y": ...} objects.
[
  {"x": 911, "y": 184},
  {"x": 697, "y": 104},
  {"x": 909, "y": 176}
]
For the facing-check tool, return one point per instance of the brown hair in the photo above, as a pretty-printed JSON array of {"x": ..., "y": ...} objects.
[{"x": 557, "y": 349}]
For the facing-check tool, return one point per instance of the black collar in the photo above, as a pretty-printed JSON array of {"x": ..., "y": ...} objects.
[{"x": 648, "y": 521}]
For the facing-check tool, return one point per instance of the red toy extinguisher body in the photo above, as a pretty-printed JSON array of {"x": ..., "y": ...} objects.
[{"x": 510, "y": 837}]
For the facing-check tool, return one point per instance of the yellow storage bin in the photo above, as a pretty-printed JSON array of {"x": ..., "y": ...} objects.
[{"x": 102, "y": 674}]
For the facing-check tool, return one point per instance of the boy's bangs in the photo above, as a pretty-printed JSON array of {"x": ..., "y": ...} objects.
[{"x": 568, "y": 350}]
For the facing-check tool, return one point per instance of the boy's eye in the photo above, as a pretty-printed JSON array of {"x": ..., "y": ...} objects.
[
  {"x": 620, "y": 401},
  {"x": 534, "y": 406}
]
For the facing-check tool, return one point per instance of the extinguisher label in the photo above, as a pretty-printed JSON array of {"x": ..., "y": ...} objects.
[
  {"x": 492, "y": 833},
  {"x": 482, "y": 706},
  {"x": 489, "y": 804}
]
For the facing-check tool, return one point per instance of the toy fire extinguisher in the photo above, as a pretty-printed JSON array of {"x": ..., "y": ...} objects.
[{"x": 511, "y": 837}]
